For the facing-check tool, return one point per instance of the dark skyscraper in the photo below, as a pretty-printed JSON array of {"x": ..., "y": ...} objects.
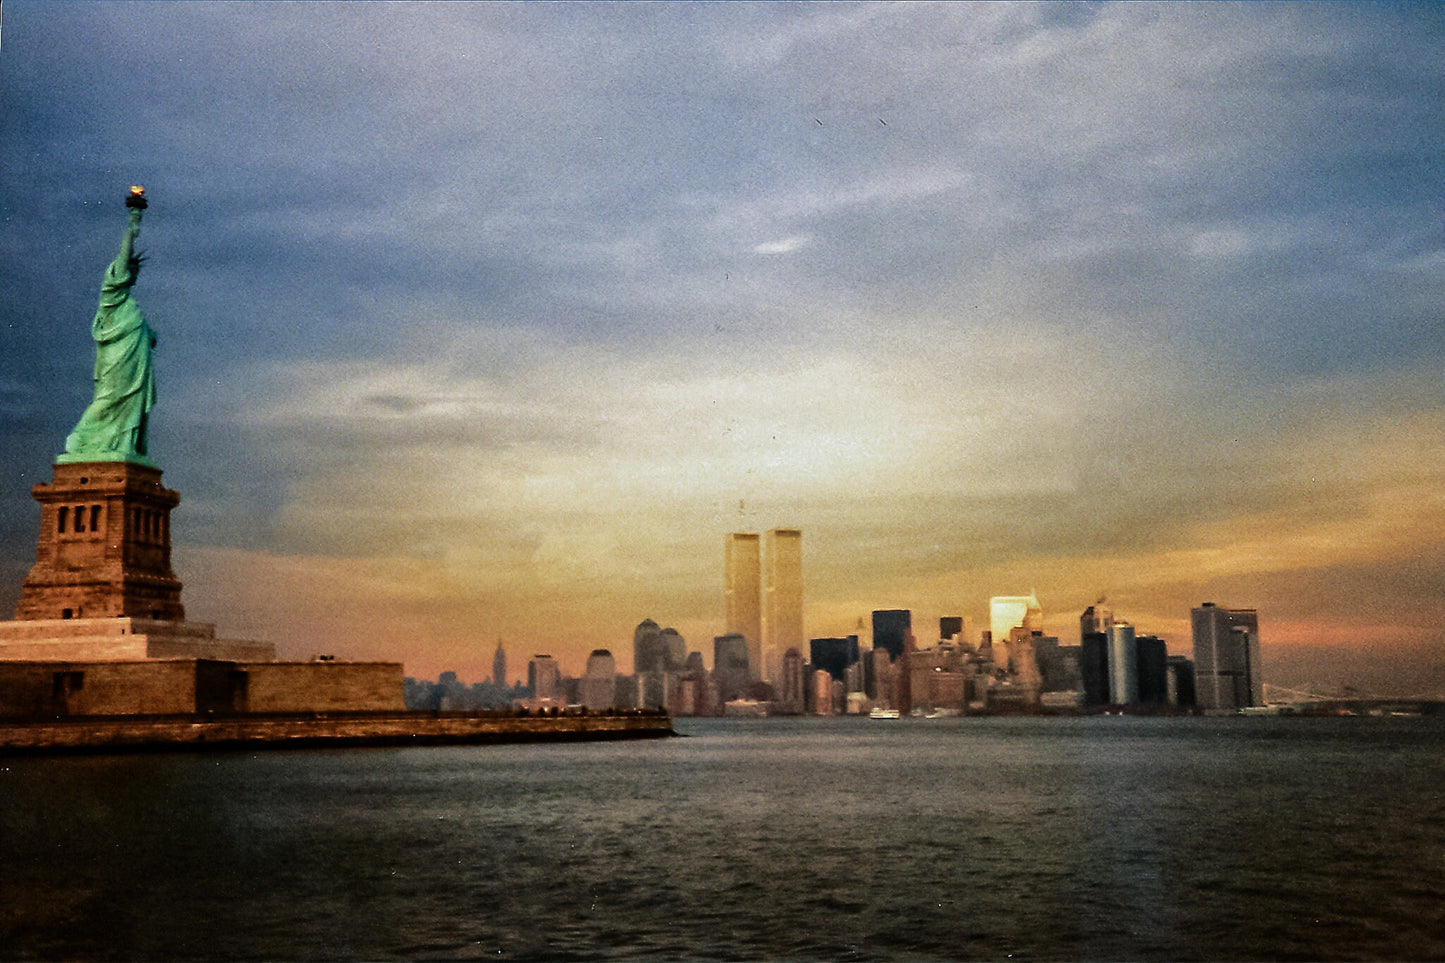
[
  {"x": 1094, "y": 668},
  {"x": 949, "y": 626},
  {"x": 891, "y": 628},
  {"x": 1058, "y": 666},
  {"x": 1181, "y": 681},
  {"x": 730, "y": 665},
  {"x": 834, "y": 656},
  {"x": 674, "y": 649},
  {"x": 1096, "y": 618},
  {"x": 649, "y": 648},
  {"x": 1152, "y": 658},
  {"x": 1226, "y": 657}
]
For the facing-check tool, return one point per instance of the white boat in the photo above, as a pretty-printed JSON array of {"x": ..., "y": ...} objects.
[{"x": 884, "y": 714}]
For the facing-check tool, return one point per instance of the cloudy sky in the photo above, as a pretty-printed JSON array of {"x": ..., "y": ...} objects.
[{"x": 490, "y": 321}]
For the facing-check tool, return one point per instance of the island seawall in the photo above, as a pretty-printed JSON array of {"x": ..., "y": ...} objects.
[{"x": 105, "y": 734}]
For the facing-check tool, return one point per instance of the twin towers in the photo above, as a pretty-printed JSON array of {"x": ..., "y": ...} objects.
[{"x": 768, "y": 614}]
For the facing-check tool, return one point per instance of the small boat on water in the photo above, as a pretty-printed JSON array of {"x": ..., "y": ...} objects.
[{"x": 881, "y": 713}]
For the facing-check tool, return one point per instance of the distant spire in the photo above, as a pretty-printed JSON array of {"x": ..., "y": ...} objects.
[{"x": 499, "y": 665}]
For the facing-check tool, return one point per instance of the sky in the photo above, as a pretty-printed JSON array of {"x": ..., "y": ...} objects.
[{"x": 486, "y": 322}]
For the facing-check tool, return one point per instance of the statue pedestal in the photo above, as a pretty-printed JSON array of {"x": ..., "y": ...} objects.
[
  {"x": 104, "y": 549},
  {"x": 102, "y": 588}
]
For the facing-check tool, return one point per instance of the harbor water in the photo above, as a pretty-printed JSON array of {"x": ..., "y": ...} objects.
[{"x": 768, "y": 839}]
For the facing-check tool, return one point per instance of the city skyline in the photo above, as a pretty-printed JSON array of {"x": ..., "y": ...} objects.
[
  {"x": 898, "y": 626},
  {"x": 497, "y": 328}
]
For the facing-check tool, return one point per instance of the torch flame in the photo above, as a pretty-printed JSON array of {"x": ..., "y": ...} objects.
[{"x": 137, "y": 190}]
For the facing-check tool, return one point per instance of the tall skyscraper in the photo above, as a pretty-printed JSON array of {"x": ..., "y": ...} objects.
[
  {"x": 1181, "y": 681},
  {"x": 1009, "y": 612},
  {"x": 499, "y": 666},
  {"x": 1094, "y": 668},
  {"x": 1096, "y": 619},
  {"x": 730, "y": 665},
  {"x": 599, "y": 683},
  {"x": 1226, "y": 657},
  {"x": 1094, "y": 626},
  {"x": 544, "y": 678},
  {"x": 1123, "y": 665},
  {"x": 891, "y": 628},
  {"x": 834, "y": 656},
  {"x": 674, "y": 650},
  {"x": 1058, "y": 666},
  {"x": 793, "y": 681},
  {"x": 743, "y": 592},
  {"x": 949, "y": 626},
  {"x": 649, "y": 648},
  {"x": 783, "y": 595},
  {"x": 884, "y": 676},
  {"x": 1152, "y": 658},
  {"x": 821, "y": 689}
]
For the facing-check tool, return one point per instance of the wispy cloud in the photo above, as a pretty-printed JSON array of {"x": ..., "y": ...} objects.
[{"x": 785, "y": 245}]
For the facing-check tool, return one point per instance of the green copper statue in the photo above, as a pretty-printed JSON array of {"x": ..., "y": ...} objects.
[{"x": 113, "y": 428}]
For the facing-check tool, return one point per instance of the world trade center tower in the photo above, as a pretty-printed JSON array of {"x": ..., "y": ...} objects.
[
  {"x": 744, "y": 596},
  {"x": 783, "y": 611}
]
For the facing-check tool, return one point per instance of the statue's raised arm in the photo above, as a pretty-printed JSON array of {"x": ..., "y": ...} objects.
[{"x": 113, "y": 427}]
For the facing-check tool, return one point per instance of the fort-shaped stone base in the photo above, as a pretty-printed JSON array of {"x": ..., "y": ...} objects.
[{"x": 63, "y": 690}]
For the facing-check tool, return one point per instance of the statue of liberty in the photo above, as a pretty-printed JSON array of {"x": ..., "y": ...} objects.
[{"x": 113, "y": 428}]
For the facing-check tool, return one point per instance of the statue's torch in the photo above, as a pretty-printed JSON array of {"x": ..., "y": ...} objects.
[{"x": 136, "y": 198}]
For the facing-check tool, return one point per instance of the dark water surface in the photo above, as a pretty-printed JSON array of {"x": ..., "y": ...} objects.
[{"x": 1103, "y": 838}]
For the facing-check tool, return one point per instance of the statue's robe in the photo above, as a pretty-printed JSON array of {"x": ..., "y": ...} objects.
[{"x": 114, "y": 426}]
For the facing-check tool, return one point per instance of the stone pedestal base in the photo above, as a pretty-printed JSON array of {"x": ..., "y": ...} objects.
[
  {"x": 104, "y": 547},
  {"x": 121, "y": 640}
]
